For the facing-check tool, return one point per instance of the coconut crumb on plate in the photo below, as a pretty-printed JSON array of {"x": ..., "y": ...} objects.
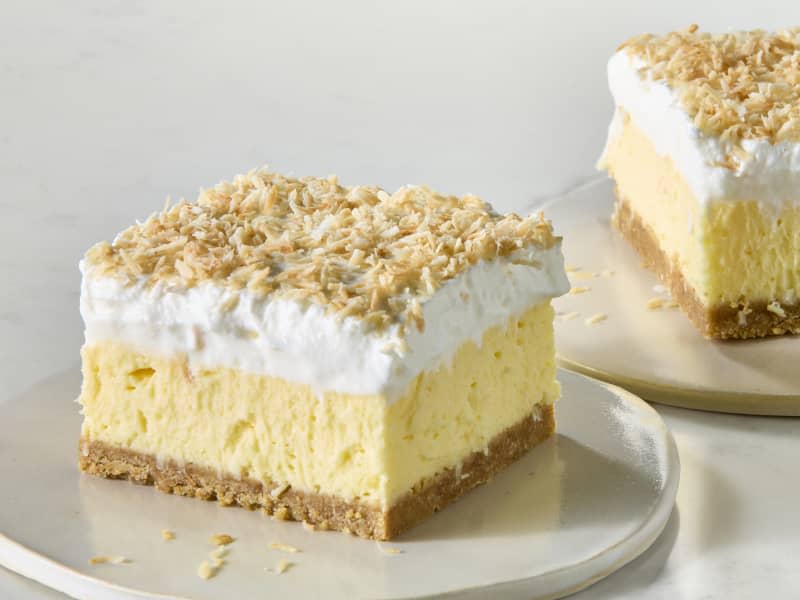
[
  {"x": 284, "y": 547},
  {"x": 112, "y": 560},
  {"x": 598, "y": 318},
  {"x": 221, "y": 539}
]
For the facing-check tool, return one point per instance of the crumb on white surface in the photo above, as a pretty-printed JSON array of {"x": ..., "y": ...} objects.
[
  {"x": 578, "y": 290},
  {"x": 112, "y": 560},
  {"x": 775, "y": 308},
  {"x": 655, "y": 303},
  {"x": 217, "y": 557},
  {"x": 221, "y": 539},
  {"x": 597, "y": 318},
  {"x": 168, "y": 534},
  {"x": 390, "y": 550},
  {"x": 205, "y": 570},
  {"x": 569, "y": 316},
  {"x": 283, "y": 566},
  {"x": 284, "y": 547}
]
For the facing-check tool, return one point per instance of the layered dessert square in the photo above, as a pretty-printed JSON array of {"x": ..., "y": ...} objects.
[
  {"x": 336, "y": 355},
  {"x": 704, "y": 149}
]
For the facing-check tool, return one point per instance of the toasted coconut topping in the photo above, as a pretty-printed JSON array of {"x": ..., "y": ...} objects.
[
  {"x": 357, "y": 251},
  {"x": 743, "y": 85}
]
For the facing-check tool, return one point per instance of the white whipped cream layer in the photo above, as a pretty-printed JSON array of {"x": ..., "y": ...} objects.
[
  {"x": 302, "y": 344},
  {"x": 770, "y": 173}
]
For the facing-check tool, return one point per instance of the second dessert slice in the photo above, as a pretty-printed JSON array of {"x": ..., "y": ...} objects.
[{"x": 705, "y": 152}]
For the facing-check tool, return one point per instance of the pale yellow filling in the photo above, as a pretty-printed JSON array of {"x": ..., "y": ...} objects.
[
  {"x": 345, "y": 445},
  {"x": 728, "y": 251}
]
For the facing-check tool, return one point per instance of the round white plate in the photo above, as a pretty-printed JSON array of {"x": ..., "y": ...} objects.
[
  {"x": 575, "y": 509},
  {"x": 657, "y": 354}
]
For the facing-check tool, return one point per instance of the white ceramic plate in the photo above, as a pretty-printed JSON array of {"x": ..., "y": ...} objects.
[
  {"x": 577, "y": 508},
  {"x": 657, "y": 354}
]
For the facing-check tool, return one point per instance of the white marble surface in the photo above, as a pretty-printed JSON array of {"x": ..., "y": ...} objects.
[{"x": 109, "y": 106}]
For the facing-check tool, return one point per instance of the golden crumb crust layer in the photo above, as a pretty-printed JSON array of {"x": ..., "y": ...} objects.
[
  {"x": 753, "y": 320},
  {"x": 324, "y": 512},
  {"x": 741, "y": 85},
  {"x": 357, "y": 251}
]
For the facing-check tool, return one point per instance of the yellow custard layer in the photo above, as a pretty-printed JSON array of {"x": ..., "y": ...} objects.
[
  {"x": 350, "y": 446},
  {"x": 730, "y": 252}
]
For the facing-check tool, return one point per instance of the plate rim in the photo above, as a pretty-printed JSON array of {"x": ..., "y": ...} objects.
[{"x": 738, "y": 403}]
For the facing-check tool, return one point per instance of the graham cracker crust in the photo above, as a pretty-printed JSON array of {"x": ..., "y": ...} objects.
[
  {"x": 742, "y": 321},
  {"x": 323, "y": 511}
]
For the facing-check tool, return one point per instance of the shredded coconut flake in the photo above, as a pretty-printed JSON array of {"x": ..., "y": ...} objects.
[
  {"x": 279, "y": 491},
  {"x": 217, "y": 557},
  {"x": 221, "y": 539},
  {"x": 598, "y": 318},
  {"x": 775, "y": 308},
  {"x": 283, "y": 547},
  {"x": 113, "y": 560},
  {"x": 283, "y": 566},
  {"x": 579, "y": 290},
  {"x": 205, "y": 570},
  {"x": 391, "y": 550}
]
